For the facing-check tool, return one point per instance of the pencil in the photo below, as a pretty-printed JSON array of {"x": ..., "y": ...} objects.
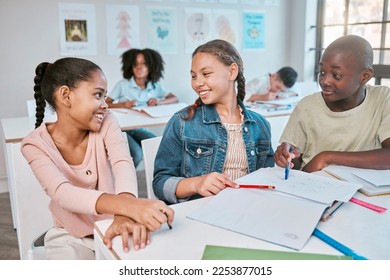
[{"x": 243, "y": 186}]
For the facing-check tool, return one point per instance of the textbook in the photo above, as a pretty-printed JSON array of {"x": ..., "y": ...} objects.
[
  {"x": 374, "y": 182},
  {"x": 212, "y": 252},
  {"x": 285, "y": 215}
]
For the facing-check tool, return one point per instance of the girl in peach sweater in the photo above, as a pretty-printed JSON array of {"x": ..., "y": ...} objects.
[{"x": 83, "y": 163}]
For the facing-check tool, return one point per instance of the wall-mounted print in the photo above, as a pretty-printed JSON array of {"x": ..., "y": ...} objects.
[
  {"x": 225, "y": 25},
  {"x": 122, "y": 28},
  {"x": 197, "y": 27},
  {"x": 162, "y": 29},
  {"x": 77, "y": 26},
  {"x": 253, "y": 32}
]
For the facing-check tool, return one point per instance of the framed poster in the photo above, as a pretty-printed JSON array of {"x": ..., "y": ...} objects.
[
  {"x": 122, "y": 28},
  {"x": 77, "y": 26}
]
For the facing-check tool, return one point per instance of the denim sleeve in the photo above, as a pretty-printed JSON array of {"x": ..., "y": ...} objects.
[{"x": 167, "y": 164}]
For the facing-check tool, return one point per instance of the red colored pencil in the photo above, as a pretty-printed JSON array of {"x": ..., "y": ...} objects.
[{"x": 246, "y": 186}]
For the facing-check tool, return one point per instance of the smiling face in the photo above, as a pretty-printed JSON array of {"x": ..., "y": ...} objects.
[
  {"x": 212, "y": 80},
  {"x": 87, "y": 103}
]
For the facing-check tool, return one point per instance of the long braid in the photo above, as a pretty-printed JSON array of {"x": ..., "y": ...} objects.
[
  {"x": 39, "y": 100},
  {"x": 241, "y": 86}
]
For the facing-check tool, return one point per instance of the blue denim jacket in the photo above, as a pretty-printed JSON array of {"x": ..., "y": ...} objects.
[{"x": 198, "y": 146}]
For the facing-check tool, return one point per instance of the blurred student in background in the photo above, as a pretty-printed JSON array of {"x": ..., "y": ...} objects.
[
  {"x": 272, "y": 86},
  {"x": 142, "y": 71}
]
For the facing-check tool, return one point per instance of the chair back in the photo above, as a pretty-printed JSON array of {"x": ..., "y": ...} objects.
[
  {"x": 50, "y": 115},
  {"x": 33, "y": 215},
  {"x": 149, "y": 150}
]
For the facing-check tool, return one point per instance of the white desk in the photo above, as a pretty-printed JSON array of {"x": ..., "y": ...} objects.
[{"x": 363, "y": 230}]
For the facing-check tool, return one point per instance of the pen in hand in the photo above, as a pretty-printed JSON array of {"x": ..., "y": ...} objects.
[
  {"x": 287, "y": 168},
  {"x": 165, "y": 213}
]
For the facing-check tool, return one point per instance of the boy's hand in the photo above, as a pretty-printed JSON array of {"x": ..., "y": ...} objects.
[
  {"x": 317, "y": 163},
  {"x": 283, "y": 156}
]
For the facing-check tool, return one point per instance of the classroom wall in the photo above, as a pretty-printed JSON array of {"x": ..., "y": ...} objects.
[{"x": 30, "y": 35}]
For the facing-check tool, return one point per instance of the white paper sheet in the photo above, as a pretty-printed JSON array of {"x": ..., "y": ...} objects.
[
  {"x": 302, "y": 184},
  {"x": 161, "y": 110},
  {"x": 267, "y": 215}
]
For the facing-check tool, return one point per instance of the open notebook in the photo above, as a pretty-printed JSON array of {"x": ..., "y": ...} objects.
[
  {"x": 286, "y": 216},
  {"x": 374, "y": 182}
]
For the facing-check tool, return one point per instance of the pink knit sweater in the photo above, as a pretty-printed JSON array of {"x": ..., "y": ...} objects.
[{"x": 74, "y": 189}]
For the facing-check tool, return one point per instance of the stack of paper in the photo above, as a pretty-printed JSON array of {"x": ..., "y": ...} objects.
[
  {"x": 286, "y": 216},
  {"x": 374, "y": 182}
]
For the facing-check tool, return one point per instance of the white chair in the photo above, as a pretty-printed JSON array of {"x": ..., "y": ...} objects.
[
  {"x": 50, "y": 115},
  {"x": 33, "y": 215},
  {"x": 149, "y": 150}
]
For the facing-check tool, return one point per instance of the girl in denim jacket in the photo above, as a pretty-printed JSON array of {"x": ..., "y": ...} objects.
[{"x": 208, "y": 145}]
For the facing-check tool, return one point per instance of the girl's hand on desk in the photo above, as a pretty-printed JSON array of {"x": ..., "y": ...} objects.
[
  {"x": 285, "y": 153},
  {"x": 129, "y": 104},
  {"x": 213, "y": 183},
  {"x": 125, "y": 227},
  {"x": 153, "y": 102},
  {"x": 152, "y": 213}
]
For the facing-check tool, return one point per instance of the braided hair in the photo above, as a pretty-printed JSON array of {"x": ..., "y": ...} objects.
[
  {"x": 227, "y": 54},
  {"x": 49, "y": 77}
]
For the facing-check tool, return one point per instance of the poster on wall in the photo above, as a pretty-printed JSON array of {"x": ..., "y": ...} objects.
[
  {"x": 162, "y": 29},
  {"x": 197, "y": 27},
  {"x": 225, "y": 25},
  {"x": 122, "y": 28},
  {"x": 77, "y": 29},
  {"x": 253, "y": 32}
]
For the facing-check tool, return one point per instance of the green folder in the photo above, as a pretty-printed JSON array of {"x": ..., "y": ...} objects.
[{"x": 212, "y": 252}]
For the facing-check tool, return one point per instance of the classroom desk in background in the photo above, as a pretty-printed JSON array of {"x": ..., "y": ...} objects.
[{"x": 362, "y": 230}]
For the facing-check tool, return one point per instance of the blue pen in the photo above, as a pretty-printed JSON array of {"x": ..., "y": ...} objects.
[{"x": 287, "y": 168}]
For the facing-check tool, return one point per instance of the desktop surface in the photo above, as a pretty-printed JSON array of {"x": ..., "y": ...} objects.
[{"x": 361, "y": 229}]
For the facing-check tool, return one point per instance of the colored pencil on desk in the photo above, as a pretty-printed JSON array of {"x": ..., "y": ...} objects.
[
  {"x": 248, "y": 186},
  {"x": 243, "y": 186}
]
